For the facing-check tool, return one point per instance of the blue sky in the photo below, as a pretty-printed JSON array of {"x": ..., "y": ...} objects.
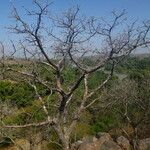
[{"x": 136, "y": 9}]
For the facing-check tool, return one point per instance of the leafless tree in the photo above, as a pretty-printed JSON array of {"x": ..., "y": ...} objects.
[
  {"x": 57, "y": 42},
  {"x": 126, "y": 101}
]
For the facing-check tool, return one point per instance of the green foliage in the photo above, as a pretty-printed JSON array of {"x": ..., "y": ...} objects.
[
  {"x": 36, "y": 113},
  {"x": 19, "y": 94},
  {"x": 96, "y": 79},
  {"x": 81, "y": 130},
  {"x": 70, "y": 74},
  {"x": 131, "y": 64},
  {"x": 47, "y": 74},
  {"x": 54, "y": 137},
  {"x": 104, "y": 123},
  {"x": 23, "y": 95},
  {"x": 137, "y": 76},
  {"x": 6, "y": 90},
  {"x": 29, "y": 114},
  {"x": 18, "y": 118}
]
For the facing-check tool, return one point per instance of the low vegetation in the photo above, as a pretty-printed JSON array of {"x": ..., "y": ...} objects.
[{"x": 121, "y": 99}]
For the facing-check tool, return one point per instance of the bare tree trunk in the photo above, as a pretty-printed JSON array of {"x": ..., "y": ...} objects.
[
  {"x": 65, "y": 142},
  {"x": 64, "y": 137},
  {"x": 66, "y": 145},
  {"x": 136, "y": 138}
]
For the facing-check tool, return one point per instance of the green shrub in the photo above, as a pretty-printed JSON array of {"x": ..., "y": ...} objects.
[
  {"x": 103, "y": 124},
  {"x": 19, "y": 94},
  {"x": 81, "y": 130},
  {"x": 23, "y": 95},
  {"x": 97, "y": 78},
  {"x": 6, "y": 90},
  {"x": 137, "y": 76}
]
